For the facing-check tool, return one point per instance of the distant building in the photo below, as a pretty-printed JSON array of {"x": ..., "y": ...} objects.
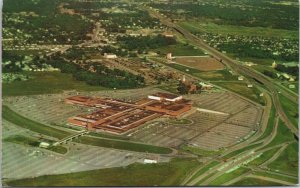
[
  {"x": 205, "y": 86},
  {"x": 292, "y": 86},
  {"x": 165, "y": 96},
  {"x": 44, "y": 145},
  {"x": 110, "y": 56},
  {"x": 169, "y": 56},
  {"x": 241, "y": 78},
  {"x": 274, "y": 65},
  {"x": 249, "y": 85},
  {"x": 149, "y": 161}
]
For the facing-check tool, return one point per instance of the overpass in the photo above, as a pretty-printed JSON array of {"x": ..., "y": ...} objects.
[{"x": 69, "y": 138}]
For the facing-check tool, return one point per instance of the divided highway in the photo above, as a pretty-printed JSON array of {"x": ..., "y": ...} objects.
[{"x": 235, "y": 66}]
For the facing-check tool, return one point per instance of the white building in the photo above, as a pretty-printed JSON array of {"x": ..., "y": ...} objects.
[
  {"x": 149, "y": 161},
  {"x": 44, "y": 145},
  {"x": 110, "y": 56}
]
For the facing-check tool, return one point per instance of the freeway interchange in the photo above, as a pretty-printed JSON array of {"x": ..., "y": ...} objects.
[{"x": 272, "y": 98}]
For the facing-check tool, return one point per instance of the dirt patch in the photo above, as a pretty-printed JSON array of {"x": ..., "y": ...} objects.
[{"x": 201, "y": 63}]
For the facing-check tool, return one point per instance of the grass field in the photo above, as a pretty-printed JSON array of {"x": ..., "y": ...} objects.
[
  {"x": 232, "y": 154},
  {"x": 205, "y": 168},
  {"x": 162, "y": 174},
  {"x": 180, "y": 49},
  {"x": 200, "y": 63},
  {"x": 275, "y": 176},
  {"x": 194, "y": 26},
  {"x": 255, "y": 182},
  {"x": 200, "y": 152},
  {"x": 229, "y": 176},
  {"x": 26, "y": 123},
  {"x": 45, "y": 83},
  {"x": 242, "y": 89},
  {"x": 264, "y": 157},
  {"x": 287, "y": 160},
  {"x": 180, "y": 121},
  {"x": 27, "y": 141},
  {"x": 283, "y": 135},
  {"x": 118, "y": 144},
  {"x": 290, "y": 108},
  {"x": 271, "y": 122}
]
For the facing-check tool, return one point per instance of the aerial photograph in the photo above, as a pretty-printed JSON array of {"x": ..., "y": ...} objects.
[{"x": 150, "y": 93}]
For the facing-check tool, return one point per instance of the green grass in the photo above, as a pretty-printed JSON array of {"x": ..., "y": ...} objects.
[
  {"x": 199, "y": 152},
  {"x": 26, "y": 123},
  {"x": 204, "y": 169},
  {"x": 193, "y": 26},
  {"x": 234, "y": 153},
  {"x": 45, "y": 83},
  {"x": 283, "y": 135},
  {"x": 27, "y": 141},
  {"x": 287, "y": 160},
  {"x": 242, "y": 89},
  {"x": 290, "y": 108},
  {"x": 264, "y": 157},
  {"x": 255, "y": 182},
  {"x": 118, "y": 144},
  {"x": 271, "y": 122},
  {"x": 229, "y": 176},
  {"x": 169, "y": 87},
  {"x": 180, "y": 49},
  {"x": 161, "y": 174},
  {"x": 275, "y": 176},
  {"x": 180, "y": 121},
  {"x": 218, "y": 75},
  {"x": 204, "y": 179}
]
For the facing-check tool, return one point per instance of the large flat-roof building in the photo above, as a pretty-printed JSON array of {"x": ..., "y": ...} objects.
[{"x": 117, "y": 116}]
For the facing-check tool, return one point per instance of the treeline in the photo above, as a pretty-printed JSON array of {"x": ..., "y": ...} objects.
[
  {"x": 248, "y": 13},
  {"x": 294, "y": 70},
  {"x": 98, "y": 75},
  {"x": 141, "y": 43},
  {"x": 247, "y": 50}
]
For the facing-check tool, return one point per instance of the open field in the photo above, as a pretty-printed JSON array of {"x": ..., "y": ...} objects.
[
  {"x": 242, "y": 89},
  {"x": 28, "y": 141},
  {"x": 200, "y": 63},
  {"x": 194, "y": 26},
  {"x": 275, "y": 176},
  {"x": 255, "y": 182},
  {"x": 287, "y": 161},
  {"x": 163, "y": 174},
  {"x": 228, "y": 176},
  {"x": 290, "y": 108},
  {"x": 45, "y": 83},
  {"x": 180, "y": 50}
]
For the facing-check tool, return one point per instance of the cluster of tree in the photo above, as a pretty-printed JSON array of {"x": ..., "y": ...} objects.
[
  {"x": 247, "y": 50},
  {"x": 142, "y": 43},
  {"x": 185, "y": 88},
  {"x": 269, "y": 74},
  {"x": 100, "y": 76},
  {"x": 292, "y": 70},
  {"x": 13, "y": 58},
  {"x": 50, "y": 26},
  {"x": 248, "y": 13}
]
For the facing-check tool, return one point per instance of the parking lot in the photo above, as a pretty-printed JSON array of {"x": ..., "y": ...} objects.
[{"x": 235, "y": 119}]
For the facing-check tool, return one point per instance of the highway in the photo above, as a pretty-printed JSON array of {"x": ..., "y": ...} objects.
[{"x": 243, "y": 70}]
